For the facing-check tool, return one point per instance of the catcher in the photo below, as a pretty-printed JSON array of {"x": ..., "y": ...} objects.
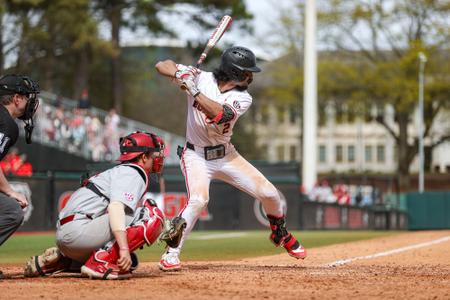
[{"x": 102, "y": 223}]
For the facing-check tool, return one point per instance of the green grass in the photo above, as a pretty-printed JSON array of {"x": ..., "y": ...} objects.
[{"x": 254, "y": 243}]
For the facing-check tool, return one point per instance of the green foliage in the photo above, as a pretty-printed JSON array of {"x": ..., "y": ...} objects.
[
  {"x": 249, "y": 244},
  {"x": 375, "y": 63},
  {"x": 58, "y": 42}
]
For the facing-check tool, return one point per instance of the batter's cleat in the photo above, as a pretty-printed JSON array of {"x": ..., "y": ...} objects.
[
  {"x": 97, "y": 268},
  {"x": 281, "y": 237},
  {"x": 50, "y": 262},
  {"x": 170, "y": 261},
  {"x": 294, "y": 248}
]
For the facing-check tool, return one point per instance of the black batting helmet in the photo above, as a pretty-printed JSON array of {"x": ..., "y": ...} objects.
[{"x": 236, "y": 61}]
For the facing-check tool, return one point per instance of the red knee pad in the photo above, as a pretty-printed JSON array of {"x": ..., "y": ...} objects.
[{"x": 145, "y": 231}]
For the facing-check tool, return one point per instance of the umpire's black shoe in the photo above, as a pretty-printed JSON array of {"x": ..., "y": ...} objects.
[{"x": 1, "y": 275}]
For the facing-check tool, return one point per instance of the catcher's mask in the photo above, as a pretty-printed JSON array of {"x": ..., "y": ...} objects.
[
  {"x": 138, "y": 143},
  {"x": 22, "y": 85},
  {"x": 237, "y": 61}
]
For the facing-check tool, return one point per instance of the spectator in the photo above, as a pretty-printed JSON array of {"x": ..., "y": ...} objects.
[
  {"x": 84, "y": 102},
  {"x": 322, "y": 193},
  {"x": 112, "y": 121},
  {"x": 342, "y": 195}
]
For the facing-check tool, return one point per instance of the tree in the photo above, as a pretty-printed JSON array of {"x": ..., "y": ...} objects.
[
  {"x": 146, "y": 14},
  {"x": 386, "y": 37},
  {"x": 373, "y": 61},
  {"x": 55, "y": 38}
]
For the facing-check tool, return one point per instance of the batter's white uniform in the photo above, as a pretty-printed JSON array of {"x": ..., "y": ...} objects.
[
  {"x": 90, "y": 229},
  {"x": 232, "y": 168}
]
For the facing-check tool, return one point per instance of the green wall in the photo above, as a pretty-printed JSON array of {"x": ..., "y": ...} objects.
[{"x": 429, "y": 210}]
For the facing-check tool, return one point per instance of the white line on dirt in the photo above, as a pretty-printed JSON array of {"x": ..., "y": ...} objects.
[
  {"x": 387, "y": 253},
  {"x": 220, "y": 236}
]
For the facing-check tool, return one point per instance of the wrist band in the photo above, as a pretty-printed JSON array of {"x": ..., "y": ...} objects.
[{"x": 124, "y": 248}]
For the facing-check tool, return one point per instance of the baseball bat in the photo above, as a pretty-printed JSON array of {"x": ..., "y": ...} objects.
[{"x": 218, "y": 32}]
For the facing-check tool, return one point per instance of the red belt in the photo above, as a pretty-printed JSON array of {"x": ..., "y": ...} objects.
[
  {"x": 69, "y": 219},
  {"x": 66, "y": 220}
]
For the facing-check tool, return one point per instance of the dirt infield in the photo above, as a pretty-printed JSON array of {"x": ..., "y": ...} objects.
[{"x": 419, "y": 272}]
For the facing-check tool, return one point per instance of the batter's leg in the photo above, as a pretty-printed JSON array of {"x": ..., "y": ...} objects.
[
  {"x": 197, "y": 179},
  {"x": 238, "y": 172}
]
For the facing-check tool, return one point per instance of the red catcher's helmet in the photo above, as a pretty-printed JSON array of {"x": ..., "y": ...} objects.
[{"x": 138, "y": 143}]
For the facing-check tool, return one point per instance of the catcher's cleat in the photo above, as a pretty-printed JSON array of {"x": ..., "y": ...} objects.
[
  {"x": 134, "y": 262},
  {"x": 170, "y": 261},
  {"x": 173, "y": 232},
  {"x": 97, "y": 268},
  {"x": 281, "y": 237},
  {"x": 50, "y": 262}
]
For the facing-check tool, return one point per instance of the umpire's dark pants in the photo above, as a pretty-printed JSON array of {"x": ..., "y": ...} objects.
[{"x": 11, "y": 216}]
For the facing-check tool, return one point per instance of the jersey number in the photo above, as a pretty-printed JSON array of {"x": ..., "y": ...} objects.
[
  {"x": 226, "y": 128},
  {"x": 3, "y": 141}
]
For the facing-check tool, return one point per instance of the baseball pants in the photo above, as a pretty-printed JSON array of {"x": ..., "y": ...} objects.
[
  {"x": 79, "y": 238},
  {"x": 11, "y": 217},
  {"x": 232, "y": 169}
]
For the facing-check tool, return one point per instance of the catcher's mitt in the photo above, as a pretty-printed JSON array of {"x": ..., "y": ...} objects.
[{"x": 173, "y": 232}]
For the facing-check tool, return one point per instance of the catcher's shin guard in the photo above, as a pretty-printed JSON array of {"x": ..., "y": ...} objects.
[
  {"x": 49, "y": 262},
  {"x": 281, "y": 237},
  {"x": 103, "y": 263}
]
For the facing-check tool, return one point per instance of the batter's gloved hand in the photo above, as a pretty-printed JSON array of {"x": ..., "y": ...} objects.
[
  {"x": 190, "y": 87},
  {"x": 173, "y": 232},
  {"x": 189, "y": 71}
]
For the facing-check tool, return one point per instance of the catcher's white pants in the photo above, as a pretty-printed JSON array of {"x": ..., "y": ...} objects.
[
  {"x": 79, "y": 238},
  {"x": 233, "y": 169}
]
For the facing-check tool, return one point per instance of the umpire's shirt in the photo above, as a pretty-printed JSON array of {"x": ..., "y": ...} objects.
[
  {"x": 9, "y": 131},
  {"x": 11, "y": 214}
]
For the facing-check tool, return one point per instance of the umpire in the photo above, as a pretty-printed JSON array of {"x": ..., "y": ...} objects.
[{"x": 18, "y": 100}]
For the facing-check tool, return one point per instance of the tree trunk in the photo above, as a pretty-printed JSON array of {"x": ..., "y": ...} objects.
[
  {"x": 2, "y": 59},
  {"x": 81, "y": 77},
  {"x": 22, "y": 53},
  {"x": 49, "y": 70},
  {"x": 116, "y": 19},
  {"x": 403, "y": 152},
  {"x": 428, "y": 152}
]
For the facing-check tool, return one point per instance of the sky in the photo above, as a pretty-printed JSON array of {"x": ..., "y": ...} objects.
[{"x": 266, "y": 14}]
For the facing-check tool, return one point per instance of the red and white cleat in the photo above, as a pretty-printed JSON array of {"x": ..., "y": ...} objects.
[
  {"x": 281, "y": 237},
  {"x": 294, "y": 250},
  {"x": 96, "y": 268},
  {"x": 170, "y": 261}
]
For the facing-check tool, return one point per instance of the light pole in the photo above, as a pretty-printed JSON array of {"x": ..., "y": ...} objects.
[
  {"x": 309, "y": 160},
  {"x": 420, "y": 127}
]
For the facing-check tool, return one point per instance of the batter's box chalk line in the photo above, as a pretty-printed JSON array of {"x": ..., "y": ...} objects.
[{"x": 387, "y": 253}]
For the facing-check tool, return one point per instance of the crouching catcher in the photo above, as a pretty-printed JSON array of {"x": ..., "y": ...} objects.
[{"x": 103, "y": 224}]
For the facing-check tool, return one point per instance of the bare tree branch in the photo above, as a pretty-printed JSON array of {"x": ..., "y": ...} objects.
[
  {"x": 434, "y": 113},
  {"x": 381, "y": 121},
  {"x": 359, "y": 44},
  {"x": 440, "y": 141}
]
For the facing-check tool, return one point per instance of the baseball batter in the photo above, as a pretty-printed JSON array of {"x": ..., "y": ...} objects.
[
  {"x": 215, "y": 102},
  {"x": 103, "y": 222}
]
